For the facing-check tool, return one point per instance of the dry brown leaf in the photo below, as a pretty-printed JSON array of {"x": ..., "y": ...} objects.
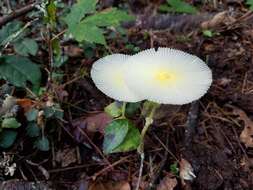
[
  {"x": 122, "y": 185},
  {"x": 224, "y": 81},
  {"x": 98, "y": 122},
  {"x": 167, "y": 183},
  {"x": 219, "y": 19},
  {"x": 66, "y": 156},
  {"x": 246, "y": 135},
  {"x": 144, "y": 184},
  {"x": 93, "y": 123},
  {"x": 185, "y": 171},
  {"x": 89, "y": 125},
  {"x": 246, "y": 163},
  {"x": 25, "y": 103}
]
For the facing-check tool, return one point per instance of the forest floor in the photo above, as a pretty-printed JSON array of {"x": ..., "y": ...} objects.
[{"x": 214, "y": 145}]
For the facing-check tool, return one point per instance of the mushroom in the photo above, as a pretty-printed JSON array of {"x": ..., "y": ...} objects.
[
  {"x": 108, "y": 76},
  {"x": 167, "y": 76}
]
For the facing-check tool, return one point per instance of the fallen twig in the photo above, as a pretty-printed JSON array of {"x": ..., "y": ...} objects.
[
  {"x": 16, "y": 14},
  {"x": 191, "y": 123},
  {"x": 169, "y": 21}
]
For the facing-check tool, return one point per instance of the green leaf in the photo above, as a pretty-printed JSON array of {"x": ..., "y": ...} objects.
[
  {"x": 42, "y": 144},
  {"x": 179, "y": 6},
  {"x": 60, "y": 61},
  {"x": 114, "y": 109},
  {"x": 59, "y": 58},
  {"x": 53, "y": 112},
  {"x": 165, "y": 8},
  {"x": 174, "y": 169},
  {"x": 115, "y": 133},
  {"x": 250, "y": 3},
  {"x": 32, "y": 114},
  {"x": 88, "y": 28},
  {"x": 120, "y": 135},
  {"x": 89, "y": 33},
  {"x": 111, "y": 17},
  {"x": 132, "y": 108},
  {"x": 18, "y": 70},
  {"x": 132, "y": 47},
  {"x": 26, "y": 46},
  {"x": 56, "y": 47},
  {"x": 10, "y": 123},
  {"x": 89, "y": 49},
  {"x": 51, "y": 13},
  {"x": 78, "y": 11},
  {"x": 131, "y": 141},
  {"x": 8, "y": 30},
  {"x": 208, "y": 33},
  {"x": 7, "y": 138},
  {"x": 32, "y": 129}
]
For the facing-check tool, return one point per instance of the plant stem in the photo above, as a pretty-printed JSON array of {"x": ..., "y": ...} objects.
[{"x": 140, "y": 149}]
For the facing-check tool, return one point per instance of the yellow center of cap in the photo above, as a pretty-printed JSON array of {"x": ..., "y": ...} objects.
[
  {"x": 118, "y": 79},
  {"x": 164, "y": 77}
]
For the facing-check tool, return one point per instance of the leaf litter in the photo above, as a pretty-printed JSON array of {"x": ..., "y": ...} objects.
[{"x": 217, "y": 160}]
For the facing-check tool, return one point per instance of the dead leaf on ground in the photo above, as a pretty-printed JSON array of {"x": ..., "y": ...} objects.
[
  {"x": 219, "y": 19},
  {"x": 246, "y": 135},
  {"x": 66, "y": 156},
  {"x": 167, "y": 183},
  {"x": 122, "y": 185},
  {"x": 26, "y": 103},
  {"x": 223, "y": 81},
  {"x": 185, "y": 171},
  {"x": 144, "y": 184},
  {"x": 91, "y": 124},
  {"x": 246, "y": 163}
]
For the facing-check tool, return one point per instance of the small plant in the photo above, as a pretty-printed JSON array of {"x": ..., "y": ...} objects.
[
  {"x": 174, "y": 169},
  {"x": 178, "y": 6},
  {"x": 8, "y": 122},
  {"x": 85, "y": 24},
  {"x": 210, "y": 33}
]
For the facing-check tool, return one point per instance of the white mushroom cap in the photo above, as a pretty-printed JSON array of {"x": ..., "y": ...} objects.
[
  {"x": 168, "y": 76},
  {"x": 108, "y": 75}
]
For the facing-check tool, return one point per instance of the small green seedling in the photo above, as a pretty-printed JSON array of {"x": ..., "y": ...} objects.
[{"x": 209, "y": 33}]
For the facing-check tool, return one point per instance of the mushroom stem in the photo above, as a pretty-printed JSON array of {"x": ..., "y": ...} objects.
[
  {"x": 123, "y": 110},
  {"x": 140, "y": 149}
]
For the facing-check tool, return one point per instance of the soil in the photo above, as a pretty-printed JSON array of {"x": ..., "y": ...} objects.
[{"x": 212, "y": 146}]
